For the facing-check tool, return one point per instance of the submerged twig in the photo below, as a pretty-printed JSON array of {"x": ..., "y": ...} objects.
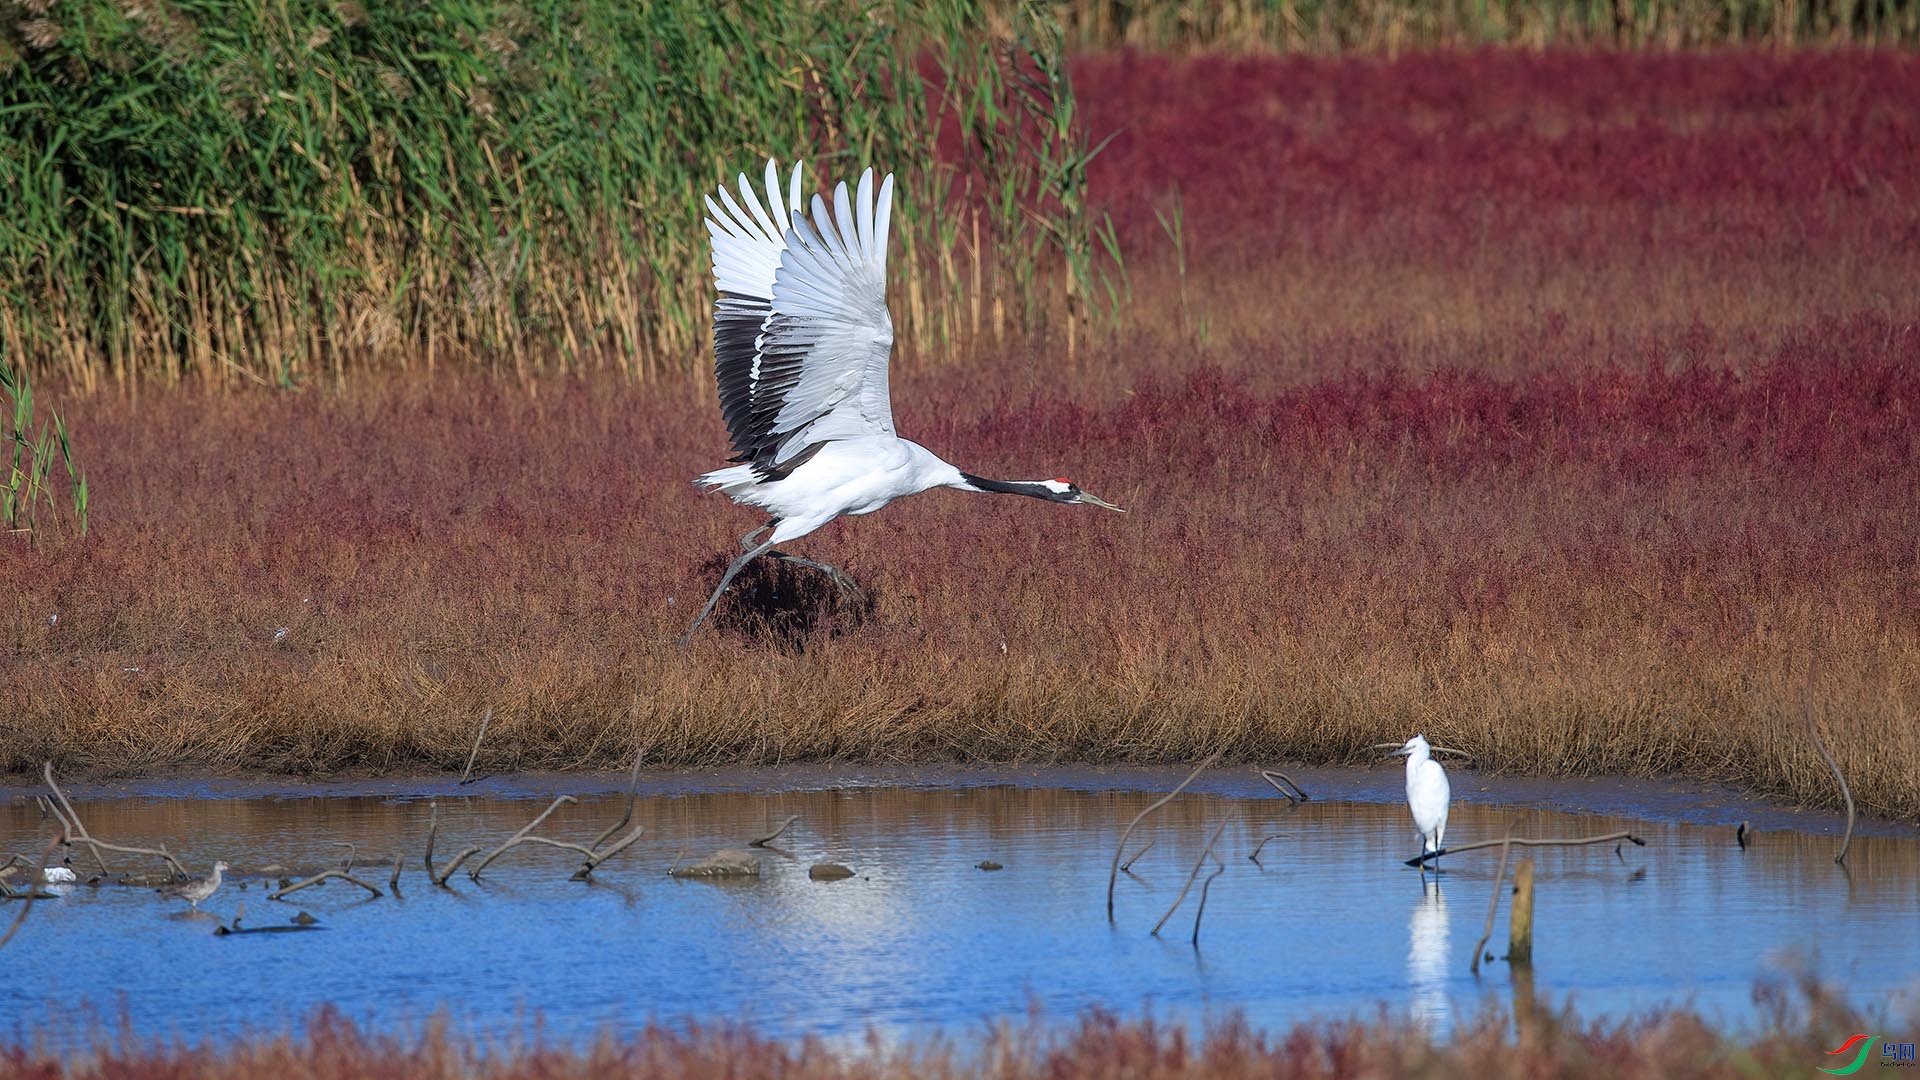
[
  {"x": 521, "y": 835},
  {"x": 393, "y": 882},
  {"x": 1262, "y": 845},
  {"x": 77, "y": 834},
  {"x": 1197, "y": 864},
  {"x": 353, "y": 852},
  {"x": 1493, "y": 903},
  {"x": 324, "y": 875},
  {"x": 769, "y": 838},
  {"x": 1517, "y": 841},
  {"x": 475, "y": 752},
  {"x": 1113, "y": 875},
  {"x": 433, "y": 830},
  {"x": 1295, "y": 797},
  {"x": 1128, "y": 865},
  {"x": 1806, "y": 707}
]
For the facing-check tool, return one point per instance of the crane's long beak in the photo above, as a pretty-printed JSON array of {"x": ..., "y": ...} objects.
[{"x": 1095, "y": 500}]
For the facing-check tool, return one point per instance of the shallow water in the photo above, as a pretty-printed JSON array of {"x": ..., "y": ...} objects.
[{"x": 1328, "y": 923}]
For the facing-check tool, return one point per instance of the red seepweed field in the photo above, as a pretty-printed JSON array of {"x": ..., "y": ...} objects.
[{"x": 1564, "y": 406}]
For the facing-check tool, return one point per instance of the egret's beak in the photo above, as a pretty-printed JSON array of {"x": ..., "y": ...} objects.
[{"x": 1095, "y": 500}]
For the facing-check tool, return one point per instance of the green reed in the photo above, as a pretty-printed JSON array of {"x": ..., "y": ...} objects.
[
  {"x": 294, "y": 190},
  {"x": 29, "y": 451}
]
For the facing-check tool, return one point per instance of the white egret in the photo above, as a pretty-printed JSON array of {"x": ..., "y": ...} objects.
[
  {"x": 195, "y": 891},
  {"x": 801, "y": 339},
  {"x": 1428, "y": 794}
]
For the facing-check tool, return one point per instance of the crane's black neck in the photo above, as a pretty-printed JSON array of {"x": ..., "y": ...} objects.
[{"x": 1013, "y": 487}]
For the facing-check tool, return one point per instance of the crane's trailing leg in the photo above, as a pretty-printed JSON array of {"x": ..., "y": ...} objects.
[
  {"x": 726, "y": 579},
  {"x": 840, "y": 578}
]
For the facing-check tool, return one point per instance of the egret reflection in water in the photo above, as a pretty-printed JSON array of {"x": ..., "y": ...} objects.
[{"x": 1427, "y": 935}]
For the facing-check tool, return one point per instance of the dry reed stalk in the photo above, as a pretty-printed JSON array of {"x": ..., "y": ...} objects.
[{"x": 1114, "y": 874}]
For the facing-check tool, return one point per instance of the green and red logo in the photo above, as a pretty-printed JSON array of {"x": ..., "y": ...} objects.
[{"x": 1895, "y": 1054}]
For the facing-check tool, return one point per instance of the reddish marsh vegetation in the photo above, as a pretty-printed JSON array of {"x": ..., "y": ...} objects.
[
  {"x": 1563, "y": 407},
  {"x": 1680, "y": 1044}
]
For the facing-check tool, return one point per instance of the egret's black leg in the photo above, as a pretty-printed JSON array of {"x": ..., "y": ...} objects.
[
  {"x": 726, "y": 579},
  {"x": 841, "y": 579}
]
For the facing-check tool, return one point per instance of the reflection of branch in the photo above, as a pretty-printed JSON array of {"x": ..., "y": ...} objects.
[
  {"x": 1197, "y": 864},
  {"x": 1806, "y": 706},
  {"x": 769, "y": 838},
  {"x": 1517, "y": 841},
  {"x": 1114, "y": 874},
  {"x": 1493, "y": 902},
  {"x": 1295, "y": 797},
  {"x": 521, "y": 835},
  {"x": 77, "y": 833},
  {"x": 324, "y": 875}
]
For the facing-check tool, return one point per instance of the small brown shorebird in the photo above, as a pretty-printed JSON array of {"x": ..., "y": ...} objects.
[{"x": 195, "y": 891}]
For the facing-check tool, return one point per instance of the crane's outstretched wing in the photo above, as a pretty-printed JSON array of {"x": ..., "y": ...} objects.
[{"x": 801, "y": 332}]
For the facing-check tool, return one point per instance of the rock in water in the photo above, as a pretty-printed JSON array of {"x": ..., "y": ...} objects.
[
  {"x": 989, "y": 864},
  {"x": 829, "y": 871},
  {"x": 727, "y": 862}
]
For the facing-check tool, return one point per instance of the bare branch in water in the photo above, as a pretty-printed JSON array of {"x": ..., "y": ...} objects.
[
  {"x": 1197, "y": 864},
  {"x": 521, "y": 835},
  {"x": 1806, "y": 706},
  {"x": 1493, "y": 902},
  {"x": 1262, "y": 846},
  {"x": 1274, "y": 776},
  {"x": 769, "y": 838},
  {"x": 1218, "y": 869},
  {"x": 1113, "y": 875},
  {"x": 1517, "y": 841},
  {"x": 324, "y": 875},
  {"x": 77, "y": 834}
]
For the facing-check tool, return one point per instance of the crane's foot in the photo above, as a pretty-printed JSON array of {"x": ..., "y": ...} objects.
[{"x": 838, "y": 576}]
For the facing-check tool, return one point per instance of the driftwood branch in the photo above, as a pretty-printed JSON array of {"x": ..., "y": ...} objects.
[
  {"x": 1295, "y": 797},
  {"x": 433, "y": 830},
  {"x": 77, "y": 834},
  {"x": 1806, "y": 706},
  {"x": 353, "y": 852},
  {"x": 324, "y": 875},
  {"x": 1517, "y": 841},
  {"x": 770, "y": 837},
  {"x": 1127, "y": 867},
  {"x": 521, "y": 835},
  {"x": 1493, "y": 902},
  {"x": 475, "y": 752},
  {"x": 1197, "y": 864},
  {"x": 393, "y": 883},
  {"x": 1113, "y": 875}
]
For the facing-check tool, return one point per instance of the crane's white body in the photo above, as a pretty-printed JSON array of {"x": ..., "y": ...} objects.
[
  {"x": 802, "y": 341},
  {"x": 1428, "y": 793},
  {"x": 848, "y": 477}
]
